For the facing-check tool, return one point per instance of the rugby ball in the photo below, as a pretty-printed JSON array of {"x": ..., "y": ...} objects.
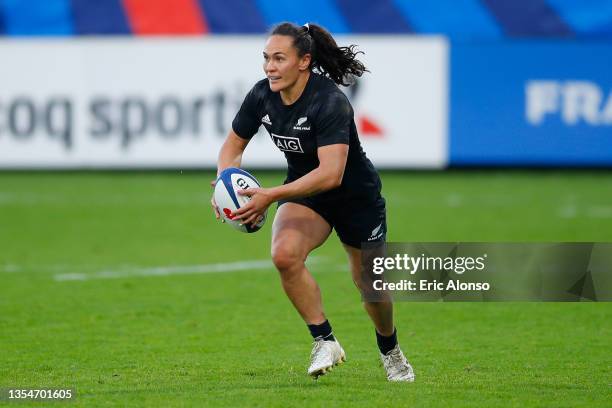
[{"x": 229, "y": 182}]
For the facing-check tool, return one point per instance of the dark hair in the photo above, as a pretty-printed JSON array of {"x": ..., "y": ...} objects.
[{"x": 337, "y": 63}]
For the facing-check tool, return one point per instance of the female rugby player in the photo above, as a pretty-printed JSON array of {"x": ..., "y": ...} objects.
[{"x": 330, "y": 182}]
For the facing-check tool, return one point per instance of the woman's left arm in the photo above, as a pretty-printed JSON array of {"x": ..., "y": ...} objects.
[{"x": 328, "y": 175}]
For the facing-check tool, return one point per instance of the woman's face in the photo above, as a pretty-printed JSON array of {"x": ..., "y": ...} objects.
[{"x": 282, "y": 65}]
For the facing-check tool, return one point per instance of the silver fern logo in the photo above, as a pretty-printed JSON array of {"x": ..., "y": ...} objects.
[
  {"x": 376, "y": 233},
  {"x": 300, "y": 122}
]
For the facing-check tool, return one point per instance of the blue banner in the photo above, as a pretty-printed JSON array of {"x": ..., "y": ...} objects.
[{"x": 531, "y": 103}]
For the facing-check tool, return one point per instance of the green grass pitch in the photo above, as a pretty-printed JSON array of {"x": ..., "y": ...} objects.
[{"x": 108, "y": 285}]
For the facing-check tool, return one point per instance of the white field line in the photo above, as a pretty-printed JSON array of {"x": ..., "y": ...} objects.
[
  {"x": 8, "y": 268},
  {"x": 568, "y": 211},
  {"x": 172, "y": 270},
  {"x": 593, "y": 211},
  {"x": 167, "y": 270},
  {"x": 601, "y": 211}
]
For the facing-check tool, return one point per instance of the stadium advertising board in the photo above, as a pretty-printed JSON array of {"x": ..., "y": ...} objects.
[
  {"x": 169, "y": 102},
  {"x": 531, "y": 103}
]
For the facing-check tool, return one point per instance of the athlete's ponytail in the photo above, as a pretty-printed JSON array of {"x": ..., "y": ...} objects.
[{"x": 337, "y": 63}]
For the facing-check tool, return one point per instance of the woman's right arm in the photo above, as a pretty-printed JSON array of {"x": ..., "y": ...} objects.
[{"x": 230, "y": 155}]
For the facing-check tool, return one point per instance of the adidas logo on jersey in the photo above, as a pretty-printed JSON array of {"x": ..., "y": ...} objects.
[
  {"x": 266, "y": 120},
  {"x": 300, "y": 122}
]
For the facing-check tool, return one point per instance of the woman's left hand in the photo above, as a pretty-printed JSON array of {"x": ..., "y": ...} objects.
[{"x": 254, "y": 210}]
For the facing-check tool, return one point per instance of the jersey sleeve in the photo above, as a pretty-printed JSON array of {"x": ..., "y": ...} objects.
[
  {"x": 333, "y": 120},
  {"x": 247, "y": 120}
]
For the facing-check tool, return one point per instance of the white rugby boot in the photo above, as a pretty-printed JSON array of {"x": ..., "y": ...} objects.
[
  {"x": 396, "y": 365},
  {"x": 324, "y": 356}
]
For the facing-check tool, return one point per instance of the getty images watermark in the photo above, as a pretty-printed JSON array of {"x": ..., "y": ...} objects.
[
  {"x": 486, "y": 271},
  {"x": 413, "y": 264}
]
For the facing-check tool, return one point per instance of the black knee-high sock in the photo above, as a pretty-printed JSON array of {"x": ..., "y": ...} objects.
[
  {"x": 321, "y": 331},
  {"x": 386, "y": 343}
]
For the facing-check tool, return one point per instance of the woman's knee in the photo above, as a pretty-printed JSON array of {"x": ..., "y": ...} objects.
[
  {"x": 285, "y": 257},
  {"x": 362, "y": 281},
  {"x": 361, "y": 284}
]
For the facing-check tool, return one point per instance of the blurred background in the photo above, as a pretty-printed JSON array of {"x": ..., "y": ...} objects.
[
  {"x": 490, "y": 121},
  {"x": 156, "y": 83}
]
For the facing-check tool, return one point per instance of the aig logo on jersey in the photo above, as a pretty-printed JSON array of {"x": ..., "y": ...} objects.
[{"x": 287, "y": 144}]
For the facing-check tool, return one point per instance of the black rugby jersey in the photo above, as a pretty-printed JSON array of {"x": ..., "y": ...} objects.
[{"x": 321, "y": 116}]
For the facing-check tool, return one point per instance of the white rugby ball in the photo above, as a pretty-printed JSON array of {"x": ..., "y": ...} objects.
[{"x": 229, "y": 182}]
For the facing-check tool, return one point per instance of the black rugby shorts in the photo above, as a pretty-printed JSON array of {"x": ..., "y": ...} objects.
[{"x": 356, "y": 221}]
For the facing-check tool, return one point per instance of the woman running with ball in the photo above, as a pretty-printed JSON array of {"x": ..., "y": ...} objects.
[{"x": 330, "y": 182}]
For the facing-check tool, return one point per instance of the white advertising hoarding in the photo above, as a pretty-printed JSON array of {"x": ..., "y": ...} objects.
[{"x": 169, "y": 103}]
